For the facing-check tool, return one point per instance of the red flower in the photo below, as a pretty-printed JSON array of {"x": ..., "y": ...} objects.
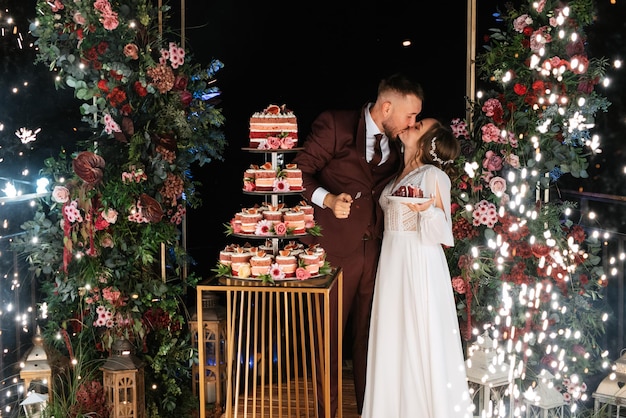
[
  {"x": 140, "y": 89},
  {"x": 101, "y": 224},
  {"x": 520, "y": 89},
  {"x": 102, "y": 47},
  {"x": 180, "y": 83},
  {"x": 186, "y": 98},
  {"x": 103, "y": 85}
]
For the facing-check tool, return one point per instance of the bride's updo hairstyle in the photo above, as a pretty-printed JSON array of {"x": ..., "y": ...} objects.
[{"x": 440, "y": 147}]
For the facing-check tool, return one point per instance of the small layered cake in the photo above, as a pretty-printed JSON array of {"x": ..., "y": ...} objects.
[
  {"x": 240, "y": 262},
  {"x": 226, "y": 255},
  {"x": 320, "y": 252},
  {"x": 273, "y": 213},
  {"x": 294, "y": 220},
  {"x": 260, "y": 264},
  {"x": 308, "y": 211},
  {"x": 287, "y": 262},
  {"x": 275, "y": 127},
  {"x": 311, "y": 262},
  {"x": 265, "y": 177},
  {"x": 293, "y": 175},
  {"x": 249, "y": 177},
  {"x": 249, "y": 219}
]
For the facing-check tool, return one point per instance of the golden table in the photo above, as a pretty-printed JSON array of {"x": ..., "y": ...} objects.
[{"x": 272, "y": 334}]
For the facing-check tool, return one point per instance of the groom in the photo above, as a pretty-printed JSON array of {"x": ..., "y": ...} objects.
[{"x": 346, "y": 161}]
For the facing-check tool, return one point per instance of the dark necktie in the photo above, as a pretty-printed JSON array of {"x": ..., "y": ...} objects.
[{"x": 378, "y": 154}]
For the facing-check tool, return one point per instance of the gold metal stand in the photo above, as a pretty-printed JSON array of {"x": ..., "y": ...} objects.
[{"x": 273, "y": 335}]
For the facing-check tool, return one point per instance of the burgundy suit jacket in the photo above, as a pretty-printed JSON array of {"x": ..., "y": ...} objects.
[{"x": 333, "y": 156}]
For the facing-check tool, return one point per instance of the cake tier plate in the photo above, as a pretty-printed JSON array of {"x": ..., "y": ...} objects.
[{"x": 277, "y": 151}]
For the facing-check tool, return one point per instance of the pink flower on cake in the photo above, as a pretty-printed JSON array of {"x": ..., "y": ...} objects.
[
  {"x": 263, "y": 227},
  {"x": 280, "y": 185},
  {"x": 249, "y": 186},
  {"x": 287, "y": 142},
  {"x": 302, "y": 273},
  {"x": 280, "y": 228},
  {"x": 276, "y": 272},
  {"x": 273, "y": 142}
]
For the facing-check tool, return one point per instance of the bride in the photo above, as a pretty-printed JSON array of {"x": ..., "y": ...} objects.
[{"x": 415, "y": 359}]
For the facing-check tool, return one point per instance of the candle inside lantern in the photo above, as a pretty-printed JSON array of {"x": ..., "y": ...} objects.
[{"x": 210, "y": 392}]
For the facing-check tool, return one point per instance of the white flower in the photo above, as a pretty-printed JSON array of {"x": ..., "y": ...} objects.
[{"x": 60, "y": 194}]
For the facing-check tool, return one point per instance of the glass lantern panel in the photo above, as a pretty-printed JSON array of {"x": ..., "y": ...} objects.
[{"x": 126, "y": 395}]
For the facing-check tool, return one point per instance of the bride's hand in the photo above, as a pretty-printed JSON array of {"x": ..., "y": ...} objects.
[{"x": 419, "y": 207}]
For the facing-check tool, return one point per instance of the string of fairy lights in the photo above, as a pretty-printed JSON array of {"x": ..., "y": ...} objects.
[{"x": 20, "y": 190}]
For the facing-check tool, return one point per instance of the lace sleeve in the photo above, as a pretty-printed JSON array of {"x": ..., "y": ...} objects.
[{"x": 435, "y": 223}]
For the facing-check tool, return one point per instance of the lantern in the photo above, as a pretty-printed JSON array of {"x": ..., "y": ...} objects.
[
  {"x": 214, "y": 339},
  {"x": 123, "y": 381},
  {"x": 36, "y": 367},
  {"x": 544, "y": 401},
  {"x": 612, "y": 390},
  {"x": 34, "y": 404},
  {"x": 488, "y": 377}
]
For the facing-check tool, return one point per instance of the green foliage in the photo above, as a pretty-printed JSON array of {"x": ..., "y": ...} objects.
[
  {"x": 106, "y": 245},
  {"x": 522, "y": 268}
]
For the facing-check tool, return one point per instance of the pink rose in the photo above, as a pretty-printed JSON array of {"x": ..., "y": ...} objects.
[
  {"x": 78, "y": 18},
  {"x": 491, "y": 133},
  {"x": 60, "y": 194},
  {"x": 107, "y": 241},
  {"x": 131, "y": 51},
  {"x": 497, "y": 185},
  {"x": 273, "y": 142},
  {"x": 512, "y": 160},
  {"x": 302, "y": 273},
  {"x": 492, "y": 161},
  {"x": 280, "y": 228},
  {"x": 287, "y": 143},
  {"x": 110, "y": 215},
  {"x": 458, "y": 284}
]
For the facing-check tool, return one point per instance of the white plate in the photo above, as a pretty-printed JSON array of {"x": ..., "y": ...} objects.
[{"x": 403, "y": 199}]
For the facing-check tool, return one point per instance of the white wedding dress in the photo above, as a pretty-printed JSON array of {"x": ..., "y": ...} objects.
[{"x": 415, "y": 359}]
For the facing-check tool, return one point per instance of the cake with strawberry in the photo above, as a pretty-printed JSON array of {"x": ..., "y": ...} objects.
[
  {"x": 308, "y": 210},
  {"x": 293, "y": 175},
  {"x": 260, "y": 264},
  {"x": 249, "y": 219},
  {"x": 409, "y": 191},
  {"x": 287, "y": 262},
  {"x": 273, "y": 213},
  {"x": 310, "y": 261},
  {"x": 265, "y": 177},
  {"x": 294, "y": 220},
  {"x": 275, "y": 127}
]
